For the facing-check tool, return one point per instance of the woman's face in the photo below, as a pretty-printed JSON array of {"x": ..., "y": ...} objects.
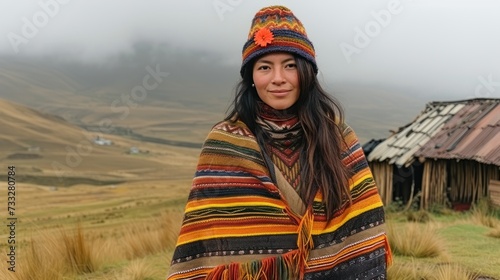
[{"x": 276, "y": 80}]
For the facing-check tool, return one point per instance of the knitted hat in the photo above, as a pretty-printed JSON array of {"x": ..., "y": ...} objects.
[{"x": 276, "y": 29}]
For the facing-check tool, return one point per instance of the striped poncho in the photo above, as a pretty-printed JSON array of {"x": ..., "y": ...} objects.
[{"x": 244, "y": 221}]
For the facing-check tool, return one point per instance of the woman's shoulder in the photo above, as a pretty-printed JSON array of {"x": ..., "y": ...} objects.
[
  {"x": 234, "y": 142},
  {"x": 345, "y": 129},
  {"x": 234, "y": 127},
  {"x": 350, "y": 138}
]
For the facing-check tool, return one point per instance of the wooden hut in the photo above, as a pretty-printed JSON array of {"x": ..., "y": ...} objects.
[{"x": 450, "y": 154}]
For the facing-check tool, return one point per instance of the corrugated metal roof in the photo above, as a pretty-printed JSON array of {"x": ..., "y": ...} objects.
[
  {"x": 467, "y": 129},
  {"x": 471, "y": 133}
]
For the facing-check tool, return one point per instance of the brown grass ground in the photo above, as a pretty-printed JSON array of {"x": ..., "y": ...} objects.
[
  {"x": 101, "y": 232},
  {"x": 127, "y": 231}
]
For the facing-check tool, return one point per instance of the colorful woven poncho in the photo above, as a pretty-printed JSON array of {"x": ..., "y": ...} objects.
[{"x": 244, "y": 221}]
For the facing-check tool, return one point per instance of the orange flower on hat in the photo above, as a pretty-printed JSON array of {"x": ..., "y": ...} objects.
[{"x": 263, "y": 37}]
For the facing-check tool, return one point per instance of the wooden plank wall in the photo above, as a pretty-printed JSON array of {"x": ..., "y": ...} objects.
[
  {"x": 467, "y": 181},
  {"x": 382, "y": 173},
  {"x": 494, "y": 187},
  {"x": 434, "y": 182}
]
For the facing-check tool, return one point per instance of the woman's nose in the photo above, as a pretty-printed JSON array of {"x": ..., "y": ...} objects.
[{"x": 278, "y": 78}]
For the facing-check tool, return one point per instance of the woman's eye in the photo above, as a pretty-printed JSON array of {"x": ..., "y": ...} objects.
[
  {"x": 291, "y": 65},
  {"x": 263, "y": 67}
]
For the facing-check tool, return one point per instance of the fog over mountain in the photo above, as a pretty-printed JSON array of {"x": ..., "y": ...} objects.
[
  {"x": 382, "y": 59},
  {"x": 190, "y": 73}
]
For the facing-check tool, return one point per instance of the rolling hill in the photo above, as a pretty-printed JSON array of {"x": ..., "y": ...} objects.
[
  {"x": 48, "y": 150},
  {"x": 87, "y": 95}
]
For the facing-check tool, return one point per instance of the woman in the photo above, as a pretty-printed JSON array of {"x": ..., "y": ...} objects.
[{"x": 282, "y": 188}]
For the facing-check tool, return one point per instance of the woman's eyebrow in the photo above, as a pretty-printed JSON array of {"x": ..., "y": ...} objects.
[{"x": 270, "y": 62}]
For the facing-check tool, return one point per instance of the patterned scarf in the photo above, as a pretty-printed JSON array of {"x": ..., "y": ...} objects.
[{"x": 286, "y": 138}]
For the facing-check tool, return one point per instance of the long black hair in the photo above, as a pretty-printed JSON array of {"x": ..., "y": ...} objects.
[{"x": 321, "y": 117}]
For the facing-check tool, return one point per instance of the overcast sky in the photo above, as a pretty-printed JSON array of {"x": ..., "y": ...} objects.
[{"x": 445, "y": 48}]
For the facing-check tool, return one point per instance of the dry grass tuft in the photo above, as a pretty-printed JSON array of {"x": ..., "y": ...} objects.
[
  {"x": 140, "y": 240},
  {"x": 481, "y": 218},
  {"x": 170, "y": 227},
  {"x": 420, "y": 216},
  {"x": 483, "y": 213},
  {"x": 52, "y": 256},
  {"x": 452, "y": 272},
  {"x": 79, "y": 251},
  {"x": 138, "y": 270},
  {"x": 39, "y": 260},
  {"x": 408, "y": 272},
  {"x": 495, "y": 233},
  {"x": 416, "y": 240},
  {"x": 144, "y": 239},
  {"x": 415, "y": 271}
]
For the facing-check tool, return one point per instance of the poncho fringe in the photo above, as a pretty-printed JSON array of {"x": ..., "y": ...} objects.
[{"x": 288, "y": 266}]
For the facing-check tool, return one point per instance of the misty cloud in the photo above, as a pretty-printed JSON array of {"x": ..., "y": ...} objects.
[{"x": 432, "y": 48}]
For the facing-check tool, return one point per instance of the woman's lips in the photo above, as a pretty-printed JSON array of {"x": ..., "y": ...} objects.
[{"x": 281, "y": 92}]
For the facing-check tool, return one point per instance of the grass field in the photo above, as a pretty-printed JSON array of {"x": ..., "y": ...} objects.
[
  {"x": 116, "y": 215},
  {"x": 127, "y": 231},
  {"x": 445, "y": 245},
  {"x": 112, "y": 231}
]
